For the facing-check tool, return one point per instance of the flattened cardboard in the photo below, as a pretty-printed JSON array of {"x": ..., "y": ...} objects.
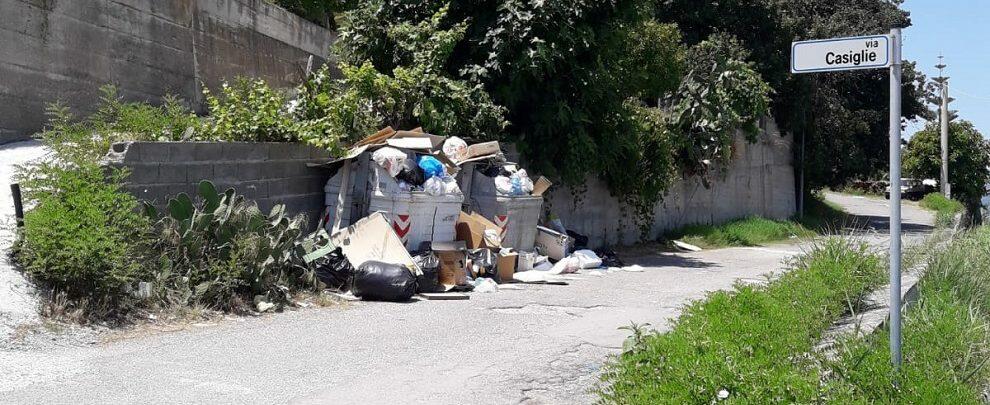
[
  {"x": 471, "y": 228},
  {"x": 436, "y": 141},
  {"x": 482, "y": 149},
  {"x": 372, "y": 238}
]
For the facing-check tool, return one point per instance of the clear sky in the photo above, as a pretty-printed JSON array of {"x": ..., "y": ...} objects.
[{"x": 960, "y": 30}]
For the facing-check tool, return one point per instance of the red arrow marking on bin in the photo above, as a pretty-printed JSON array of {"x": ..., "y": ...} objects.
[
  {"x": 502, "y": 221},
  {"x": 401, "y": 224}
]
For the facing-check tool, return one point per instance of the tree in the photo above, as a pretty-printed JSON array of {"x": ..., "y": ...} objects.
[
  {"x": 969, "y": 158},
  {"x": 842, "y": 116}
]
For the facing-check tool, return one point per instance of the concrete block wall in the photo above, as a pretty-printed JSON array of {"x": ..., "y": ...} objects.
[
  {"x": 759, "y": 180},
  {"x": 267, "y": 172},
  {"x": 65, "y": 50}
]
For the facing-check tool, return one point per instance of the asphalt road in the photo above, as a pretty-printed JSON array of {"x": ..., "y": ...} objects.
[{"x": 542, "y": 344}]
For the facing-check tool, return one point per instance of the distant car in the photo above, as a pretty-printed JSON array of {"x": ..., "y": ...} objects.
[{"x": 913, "y": 189}]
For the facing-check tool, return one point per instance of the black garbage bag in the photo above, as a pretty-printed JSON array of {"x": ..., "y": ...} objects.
[
  {"x": 334, "y": 270},
  {"x": 580, "y": 241},
  {"x": 487, "y": 262},
  {"x": 429, "y": 281},
  {"x": 383, "y": 282},
  {"x": 609, "y": 258},
  {"x": 411, "y": 173}
]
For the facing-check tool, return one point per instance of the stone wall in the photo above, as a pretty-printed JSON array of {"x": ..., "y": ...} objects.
[
  {"x": 759, "y": 181},
  {"x": 270, "y": 173},
  {"x": 66, "y": 49}
]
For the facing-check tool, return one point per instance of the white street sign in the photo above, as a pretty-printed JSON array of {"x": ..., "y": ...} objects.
[{"x": 825, "y": 55}]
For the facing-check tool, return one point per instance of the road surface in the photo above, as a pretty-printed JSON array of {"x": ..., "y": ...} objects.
[{"x": 542, "y": 344}]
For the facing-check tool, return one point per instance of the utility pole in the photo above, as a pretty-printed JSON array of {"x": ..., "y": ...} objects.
[{"x": 944, "y": 127}]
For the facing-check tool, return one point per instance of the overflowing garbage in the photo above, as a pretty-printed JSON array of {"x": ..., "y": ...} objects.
[{"x": 445, "y": 217}]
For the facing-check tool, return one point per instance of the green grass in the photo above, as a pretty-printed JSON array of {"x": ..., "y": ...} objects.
[
  {"x": 749, "y": 342},
  {"x": 751, "y": 231},
  {"x": 945, "y": 341},
  {"x": 821, "y": 217},
  {"x": 945, "y": 209}
]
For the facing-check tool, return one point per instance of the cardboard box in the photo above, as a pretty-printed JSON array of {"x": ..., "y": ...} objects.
[
  {"x": 507, "y": 265},
  {"x": 541, "y": 185},
  {"x": 553, "y": 244},
  {"x": 471, "y": 228},
  {"x": 453, "y": 260}
]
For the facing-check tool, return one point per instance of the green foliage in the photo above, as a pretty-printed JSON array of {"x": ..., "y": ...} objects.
[
  {"x": 224, "y": 247},
  {"x": 969, "y": 156},
  {"x": 945, "y": 209},
  {"x": 748, "y": 342},
  {"x": 418, "y": 93},
  {"x": 752, "y": 231},
  {"x": 115, "y": 120},
  {"x": 720, "y": 94},
  {"x": 842, "y": 116},
  {"x": 83, "y": 235},
  {"x": 85, "y": 238},
  {"x": 583, "y": 76},
  {"x": 247, "y": 111}
]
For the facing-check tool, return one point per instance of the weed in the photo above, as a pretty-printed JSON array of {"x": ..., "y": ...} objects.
[{"x": 748, "y": 342}]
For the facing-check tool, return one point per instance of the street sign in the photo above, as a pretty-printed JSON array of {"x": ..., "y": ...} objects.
[
  {"x": 827, "y": 55},
  {"x": 870, "y": 52}
]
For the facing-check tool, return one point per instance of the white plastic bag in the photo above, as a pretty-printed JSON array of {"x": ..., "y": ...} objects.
[
  {"x": 389, "y": 158},
  {"x": 568, "y": 264},
  {"x": 450, "y": 186},
  {"x": 484, "y": 285},
  {"x": 587, "y": 259},
  {"x": 503, "y": 185},
  {"x": 521, "y": 183},
  {"x": 434, "y": 186},
  {"x": 455, "y": 148}
]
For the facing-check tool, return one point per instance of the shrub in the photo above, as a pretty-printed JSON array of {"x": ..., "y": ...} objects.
[
  {"x": 84, "y": 235},
  {"x": 247, "y": 111},
  {"x": 749, "y": 342}
]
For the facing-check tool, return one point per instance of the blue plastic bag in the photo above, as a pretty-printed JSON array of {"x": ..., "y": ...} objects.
[{"x": 431, "y": 167}]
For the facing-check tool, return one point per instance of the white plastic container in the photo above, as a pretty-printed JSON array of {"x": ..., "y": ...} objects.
[
  {"x": 415, "y": 215},
  {"x": 518, "y": 216}
]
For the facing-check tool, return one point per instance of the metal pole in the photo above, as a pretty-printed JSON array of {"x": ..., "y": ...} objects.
[
  {"x": 15, "y": 191},
  {"x": 895, "y": 199},
  {"x": 801, "y": 191},
  {"x": 945, "y": 138}
]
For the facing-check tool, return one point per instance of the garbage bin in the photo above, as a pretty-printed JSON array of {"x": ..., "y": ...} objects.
[
  {"x": 416, "y": 216},
  {"x": 518, "y": 216}
]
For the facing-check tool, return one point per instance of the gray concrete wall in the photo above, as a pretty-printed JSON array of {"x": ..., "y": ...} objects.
[
  {"x": 269, "y": 173},
  {"x": 759, "y": 181},
  {"x": 66, "y": 49}
]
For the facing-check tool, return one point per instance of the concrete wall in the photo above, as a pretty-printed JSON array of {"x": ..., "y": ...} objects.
[
  {"x": 759, "y": 181},
  {"x": 66, "y": 49},
  {"x": 270, "y": 173}
]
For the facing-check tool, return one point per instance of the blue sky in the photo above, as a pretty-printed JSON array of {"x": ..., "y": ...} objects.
[{"x": 960, "y": 30}]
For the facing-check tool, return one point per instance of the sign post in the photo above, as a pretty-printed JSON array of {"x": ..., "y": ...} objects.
[{"x": 870, "y": 52}]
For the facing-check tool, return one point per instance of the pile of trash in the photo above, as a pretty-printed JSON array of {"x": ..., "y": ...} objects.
[{"x": 438, "y": 247}]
